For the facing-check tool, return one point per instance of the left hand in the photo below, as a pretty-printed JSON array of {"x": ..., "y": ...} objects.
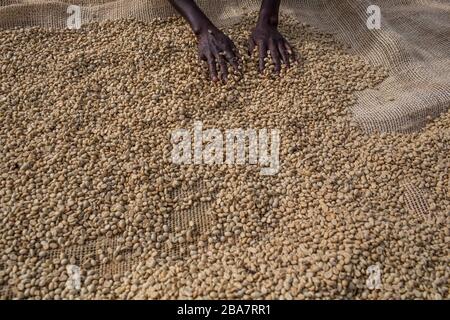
[{"x": 267, "y": 38}]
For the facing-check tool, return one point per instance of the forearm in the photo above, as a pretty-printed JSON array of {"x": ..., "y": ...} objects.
[
  {"x": 198, "y": 21},
  {"x": 269, "y": 11}
]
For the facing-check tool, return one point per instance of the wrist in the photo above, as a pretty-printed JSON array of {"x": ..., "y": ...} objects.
[
  {"x": 203, "y": 27},
  {"x": 267, "y": 19}
]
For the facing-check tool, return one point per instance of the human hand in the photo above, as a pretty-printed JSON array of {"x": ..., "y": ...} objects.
[
  {"x": 267, "y": 38},
  {"x": 217, "y": 49}
]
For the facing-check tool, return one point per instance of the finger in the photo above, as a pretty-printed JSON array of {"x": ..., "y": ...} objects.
[
  {"x": 237, "y": 54},
  {"x": 275, "y": 56},
  {"x": 234, "y": 50},
  {"x": 202, "y": 56},
  {"x": 232, "y": 59},
  {"x": 262, "y": 55},
  {"x": 232, "y": 56},
  {"x": 223, "y": 67},
  {"x": 290, "y": 50},
  {"x": 251, "y": 46},
  {"x": 212, "y": 67},
  {"x": 219, "y": 58},
  {"x": 284, "y": 54}
]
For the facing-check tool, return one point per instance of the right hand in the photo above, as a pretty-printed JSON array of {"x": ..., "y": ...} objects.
[
  {"x": 267, "y": 38},
  {"x": 217, "y": 49}
]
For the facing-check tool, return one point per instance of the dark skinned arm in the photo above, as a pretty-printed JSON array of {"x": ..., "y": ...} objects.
[
  {"x": 266, "y": 37},
  {"x": 217, "y": 49},
  {"x": 214, "y": 46}
]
